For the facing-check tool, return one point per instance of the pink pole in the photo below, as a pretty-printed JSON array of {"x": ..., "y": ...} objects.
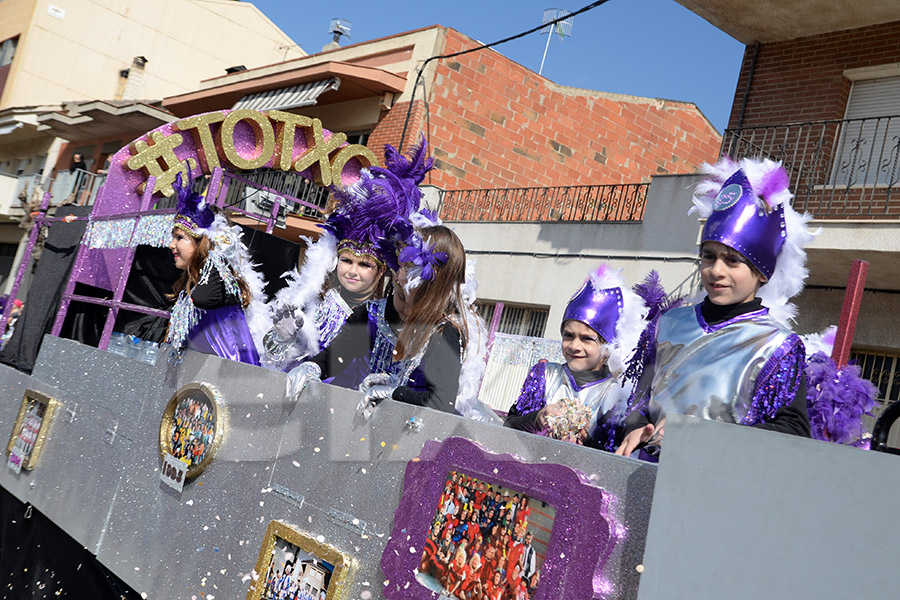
[{"x": 856, "y": 283}]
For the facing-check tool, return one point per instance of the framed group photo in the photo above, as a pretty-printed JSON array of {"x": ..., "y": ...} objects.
[
  {"x": 30, "y": 430},
  {"x": 192, "y": 426},
  {"x": 294, "y": 565},
  {"x": 474, "y": 524}
]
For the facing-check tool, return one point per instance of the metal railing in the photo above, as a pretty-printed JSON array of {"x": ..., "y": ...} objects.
[
  {"x": 616, "y": 203},
  {"x": 69, "y": 187},
  {"x": 838, "y": 169}
]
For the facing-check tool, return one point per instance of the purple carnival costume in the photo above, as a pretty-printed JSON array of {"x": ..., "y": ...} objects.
[
  {"x": 738, "y": 363},
  {"x": 211, "y": 319},
  {"x": 383, "y": 211},
  {"x": 616, "y": 313}
]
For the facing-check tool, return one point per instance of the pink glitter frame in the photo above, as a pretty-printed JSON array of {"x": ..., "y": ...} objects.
[{"x": 582, "y": 538}]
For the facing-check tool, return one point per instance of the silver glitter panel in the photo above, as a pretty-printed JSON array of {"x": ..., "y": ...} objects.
[
  {"x": 766, "y": 515},
  {"x": 313, "y": 464},
  {"x": 114, "y": 382},
  {"x": 80, "y": 466}
]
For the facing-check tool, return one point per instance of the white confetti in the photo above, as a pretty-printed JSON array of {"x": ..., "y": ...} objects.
[
  {"x": 261, "y": 503},
  {"x": 295, "y": 463},
  {"x": 320, "y": 539},
  {"x": 190, "y": 502},
  {"x": 317, "y": 449},
  {"x": 412, "y": 550},
  {"x": 206, "y": 528},
  {"x": 363, "y": 471},
  {"x": 259, "y": 395}
]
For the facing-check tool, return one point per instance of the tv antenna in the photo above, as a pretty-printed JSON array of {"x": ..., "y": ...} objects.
[
  {"x": 339, "y": 27},
  {"x": 562, "y": 28}
]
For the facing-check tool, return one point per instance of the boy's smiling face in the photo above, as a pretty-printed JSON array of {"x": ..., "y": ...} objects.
[
  {"x": 727, "y": 276},
  {"x": 582, "y": 347}
]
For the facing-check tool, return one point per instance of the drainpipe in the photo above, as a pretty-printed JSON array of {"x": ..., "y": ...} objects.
[{"x": 743, "y": 111}]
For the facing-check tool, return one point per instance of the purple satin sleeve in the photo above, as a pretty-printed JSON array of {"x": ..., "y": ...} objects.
[
  {"x": 224, "y": 332},
  {"x": 532, "y": 396},
  {"x": 777, "y": 382}
]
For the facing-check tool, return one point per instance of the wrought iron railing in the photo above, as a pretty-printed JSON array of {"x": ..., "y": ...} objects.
[
  {"x": 838, "y": 169},
  {"x": 617, "y": 203}
]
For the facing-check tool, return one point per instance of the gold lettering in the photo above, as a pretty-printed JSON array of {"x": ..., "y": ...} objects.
[
  {"x": 285, "y": 126},
  {"x": 199, "y": 125},
  {"x": 317, "y": 151},
  {"x": 262, "y": 131},
  {"x": 365, "y": 157}
]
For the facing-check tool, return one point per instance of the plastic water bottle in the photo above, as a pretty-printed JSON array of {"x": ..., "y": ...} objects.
[
  {"x": 133, "y": 347},
  {"x": 117, "y": 343},
  {"x": 151, "y": 351}
]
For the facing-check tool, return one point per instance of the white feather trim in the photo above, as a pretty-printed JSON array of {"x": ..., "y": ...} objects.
[
  {"x": 303, "y": 291},
  {"x": 259, "y": 319}
]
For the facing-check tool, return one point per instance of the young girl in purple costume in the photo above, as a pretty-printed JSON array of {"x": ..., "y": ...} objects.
[
  {"x": 212, "y": 293},
  {"x": 732, "y": 357}
]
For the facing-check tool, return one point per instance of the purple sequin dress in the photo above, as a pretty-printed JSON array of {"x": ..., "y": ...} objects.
[{"x": 224, "y": 332}]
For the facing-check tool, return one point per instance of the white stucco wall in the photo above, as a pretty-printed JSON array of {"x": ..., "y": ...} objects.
[{"x": 544, "y": 264}]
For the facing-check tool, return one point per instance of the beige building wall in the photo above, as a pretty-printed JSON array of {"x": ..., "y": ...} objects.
[{"x": 75, "y": 49}]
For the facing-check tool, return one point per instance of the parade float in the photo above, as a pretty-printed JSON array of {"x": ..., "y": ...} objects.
[{"x": 311, "y": 496}]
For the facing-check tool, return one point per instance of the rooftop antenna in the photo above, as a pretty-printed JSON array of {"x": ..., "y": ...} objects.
[
  {"x": 563, "y": 28},
  {"x": 339, "y": 27}
]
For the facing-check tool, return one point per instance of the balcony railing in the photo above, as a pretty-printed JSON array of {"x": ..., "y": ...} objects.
[
  {"x": 76, "y": 187},
  {"x": 838, "y": 169},
  {"x": 615, "y": 203}
]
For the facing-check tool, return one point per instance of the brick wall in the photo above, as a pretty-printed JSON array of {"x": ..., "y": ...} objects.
[
  {"x": 802, "y": 79},
  {"x": 495, "y": 124},
  {"x": 390, "y": 127}
]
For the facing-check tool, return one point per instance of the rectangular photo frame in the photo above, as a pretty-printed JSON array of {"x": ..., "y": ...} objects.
[
  {"x": 554, "y": 545},
  {"x": 30, "y": 430},
  {"x": 294, "y": 564}
]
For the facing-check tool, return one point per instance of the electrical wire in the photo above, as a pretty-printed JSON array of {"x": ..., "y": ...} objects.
[{"x": 483, "y": 47}]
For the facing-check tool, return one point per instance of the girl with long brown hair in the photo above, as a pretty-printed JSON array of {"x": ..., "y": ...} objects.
[
  {"x": 211, "y": 293},
  {"x": 413, "y": 341}
]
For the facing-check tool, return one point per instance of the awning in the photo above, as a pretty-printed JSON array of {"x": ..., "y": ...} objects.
[
  {"x": 4, "y": 129},
  {"x": 304, "y": 94}
]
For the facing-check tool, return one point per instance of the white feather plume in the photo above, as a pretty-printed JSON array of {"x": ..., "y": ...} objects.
[{"x": 303, "y": 292}]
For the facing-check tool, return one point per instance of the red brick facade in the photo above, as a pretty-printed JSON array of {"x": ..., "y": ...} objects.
[
  {"x": 802, "y": 79},
  {"x": 495, "y": 124}
]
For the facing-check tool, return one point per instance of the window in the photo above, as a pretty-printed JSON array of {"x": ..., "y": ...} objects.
[
  {"x": 881, "y": 369},
  {"x": 516, "y": 319},
  {"x": 8, "y": 50},
  {"x": 869, "y": 139}
]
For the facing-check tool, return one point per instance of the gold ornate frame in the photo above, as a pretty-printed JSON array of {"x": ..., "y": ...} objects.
[
  {"x": 51, "y": 404},
  {"x": 343, "y": 563},
  {"x": 220, "y": 419}
]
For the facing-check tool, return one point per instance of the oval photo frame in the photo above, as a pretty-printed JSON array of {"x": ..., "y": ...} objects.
[{"x": 193, "y": 426}]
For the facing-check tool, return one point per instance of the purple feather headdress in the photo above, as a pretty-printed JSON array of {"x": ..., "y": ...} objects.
[
  {"x": 193, "y": 214},
  {"x": 377, "y": 213}
]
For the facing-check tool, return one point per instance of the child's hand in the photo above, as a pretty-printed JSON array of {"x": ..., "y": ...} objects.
[
  {"x": 551, "y": 410},
  {"x": 635, "y": 439}
]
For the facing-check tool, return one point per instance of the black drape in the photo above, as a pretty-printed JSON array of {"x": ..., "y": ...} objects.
[
  {"x": 47, "y": 286},
  {"x": 273, "y": 255},
  {"x": 40, "y": 560}
]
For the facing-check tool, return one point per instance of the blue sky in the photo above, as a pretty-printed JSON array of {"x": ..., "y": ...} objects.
[{"x": 654, "y": 48}]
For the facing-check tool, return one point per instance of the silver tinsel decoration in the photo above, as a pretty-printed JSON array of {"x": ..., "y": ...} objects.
[
  {"x": 151, "y": 230},
  {"x": 185, "y": 317},
  {"x": 154, "y": 230}
]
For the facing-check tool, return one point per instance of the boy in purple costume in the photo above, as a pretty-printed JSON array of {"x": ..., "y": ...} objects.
[
  {"x": 732, "y": 357},
  {"x": 599, "y": 329}
]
